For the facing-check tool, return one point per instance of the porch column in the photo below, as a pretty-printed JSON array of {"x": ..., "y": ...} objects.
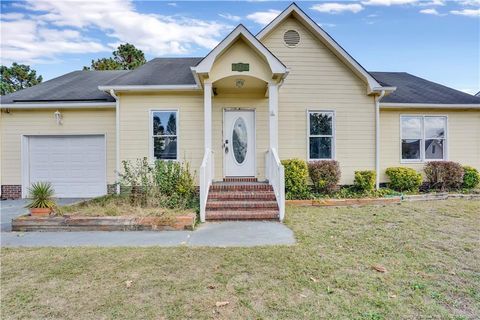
[
  {"x": 207, "y": 111},
  {"x": 273, "y": 115}
]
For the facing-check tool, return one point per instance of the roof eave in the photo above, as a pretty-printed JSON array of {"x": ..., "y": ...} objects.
[
  {"x": 399, "y": 105},
  {"x": 61, "y": 105},
  {"x": 143, "y": 88}
]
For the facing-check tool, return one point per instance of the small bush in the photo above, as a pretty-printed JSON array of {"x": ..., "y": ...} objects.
[
  {"x": 365, "y": 181},
  {"x": 471, "y": 177},
  {"x": 325, "y": 175},
  {"x": 404, "y": 179},
  {"x": 296, "y": 179},
  {"x": 41, "y": 194},
  {"x": 444, "y": 175},
  {"x": 168, "y": 184}
]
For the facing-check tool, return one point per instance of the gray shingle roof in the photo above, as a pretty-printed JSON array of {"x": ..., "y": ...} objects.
[
  {"x": 160, "y": 71},
  {"x": 72, "y": 87},
  {"x": 83, "y": 85},
  {"x": 412, "y": 89}
]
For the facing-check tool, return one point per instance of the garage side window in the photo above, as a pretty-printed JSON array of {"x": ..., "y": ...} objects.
[
  {"x": 164, "y": 135},
  {"x": 423, "y": 138},
  {"x": 321, "y": 135}
]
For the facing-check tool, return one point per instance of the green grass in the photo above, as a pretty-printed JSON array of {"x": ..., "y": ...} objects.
[{"x": 430, "y": 250}]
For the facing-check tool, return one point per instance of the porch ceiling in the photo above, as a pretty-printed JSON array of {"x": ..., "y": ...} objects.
[{"x": 239, "y": 84}]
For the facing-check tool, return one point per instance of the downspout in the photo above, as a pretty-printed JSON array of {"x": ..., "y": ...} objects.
[
  {"x": 377, "y": 138},
  {"x": 117, "y": 141}
]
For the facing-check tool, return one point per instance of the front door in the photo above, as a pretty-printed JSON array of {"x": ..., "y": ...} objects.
[{"x": 239, "y": 143}]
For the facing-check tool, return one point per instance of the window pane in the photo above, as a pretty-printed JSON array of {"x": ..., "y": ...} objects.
[
  {"x": 435, "y": 127},
  {"x": 410, "y": 149},
  {"x": 321, "y": 123},
  {"x": 165, "y": 148},
  {"x": 320, "y": 148},
  {"x": 164, "y": 123},
  {"x": 411, "y": 127},
  {"x": 434, "y": 149}
]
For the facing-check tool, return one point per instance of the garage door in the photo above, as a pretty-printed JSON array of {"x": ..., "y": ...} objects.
[{"x": 75, "y": 165}]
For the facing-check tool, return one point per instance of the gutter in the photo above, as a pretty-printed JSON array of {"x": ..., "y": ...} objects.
[
  {"x": 394, "y": 105},
  {"x": 117, "y": 141},
  {"x": 56, "y": 105},
  {"x": 179, "y": 87},
  {"x": 377, "y": 138}
]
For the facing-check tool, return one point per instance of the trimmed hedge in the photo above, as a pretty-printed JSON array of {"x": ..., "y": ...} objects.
[
  {"x": 365, "y": 180},
  {"x": 471, "y": 177},
  {"x": 296, "y": 179},
  {"x": 325, "y": 175},
  {"x": 404, "y": 179},
  {"x": 444, "y": 175}
]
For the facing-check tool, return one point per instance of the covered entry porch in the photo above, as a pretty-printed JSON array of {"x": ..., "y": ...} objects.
[{"x": 241, "y": 81}]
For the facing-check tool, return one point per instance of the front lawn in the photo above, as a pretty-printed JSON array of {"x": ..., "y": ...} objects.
[{"x": 430, "y": 251}]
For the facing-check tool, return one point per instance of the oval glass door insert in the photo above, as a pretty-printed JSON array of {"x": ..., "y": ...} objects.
[{"x": 239, "y": 140}]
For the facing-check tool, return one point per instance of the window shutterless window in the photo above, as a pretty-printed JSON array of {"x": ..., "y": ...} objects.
[
  {"x": 321, "y": 140},
  {"x": 164, "y": 124},
  {"x": 423, "y": 138}
]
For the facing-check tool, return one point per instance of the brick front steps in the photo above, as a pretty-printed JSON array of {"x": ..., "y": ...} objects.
[
  {"x": 241, "y": 199},
  {"x": 78, "y": 223}
]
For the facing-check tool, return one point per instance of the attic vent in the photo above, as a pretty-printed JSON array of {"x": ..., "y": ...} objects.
[{"x": 291, "y": 38}]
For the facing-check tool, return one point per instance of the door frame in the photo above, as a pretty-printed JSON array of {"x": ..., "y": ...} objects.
[
  {"x": 225, "y": 110},
  {"x": 25, "y": 155}
]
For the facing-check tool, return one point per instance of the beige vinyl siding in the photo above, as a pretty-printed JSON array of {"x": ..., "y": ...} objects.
[
  {"x": 260, "y": 105},
  {"x": 318, "y": 80},
  {"x": 135, "y": 124},
  {"x": 463, "y": 137},
  {"x": 41, "y": 122}
]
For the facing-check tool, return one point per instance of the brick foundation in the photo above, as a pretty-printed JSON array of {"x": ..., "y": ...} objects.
[{"x": 11, "y": 191}]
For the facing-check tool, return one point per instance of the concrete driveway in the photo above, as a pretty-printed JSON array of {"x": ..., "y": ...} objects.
[{"x": 212, "y": 234}]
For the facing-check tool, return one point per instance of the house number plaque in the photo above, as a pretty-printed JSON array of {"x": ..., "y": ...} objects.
[{"x": 240, "y": 67}]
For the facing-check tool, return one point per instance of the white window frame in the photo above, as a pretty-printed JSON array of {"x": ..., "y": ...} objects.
[
  {"x": 333, "y": 135},
  {"x": 151, "y": 136},
  {"x": 423, "y": 138}
]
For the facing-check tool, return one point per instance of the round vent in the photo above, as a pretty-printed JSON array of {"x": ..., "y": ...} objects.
[{"x": 291, "y": 38}]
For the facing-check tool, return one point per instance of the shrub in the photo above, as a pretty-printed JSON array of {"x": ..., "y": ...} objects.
[
  {"x": 404, "y": 179},
  {"x": 325, "y": 175},
  {"x": 42, "y": 195},
  {"x": 444, "y": 175},
  {"x": 296, "y": 179},
  {"x": 167, "y": 184},
  {"x": 471, "y": 177},
  {"x": 365, "y": 181}
]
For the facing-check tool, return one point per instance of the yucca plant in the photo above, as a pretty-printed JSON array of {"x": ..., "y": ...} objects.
[{"x": 41, "y": 194}]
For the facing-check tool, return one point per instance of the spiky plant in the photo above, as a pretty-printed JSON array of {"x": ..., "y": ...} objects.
[{"x": 41, "y": 194}]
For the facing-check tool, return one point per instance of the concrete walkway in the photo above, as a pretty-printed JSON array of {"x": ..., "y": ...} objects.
[{"x": 212, "y": 234}]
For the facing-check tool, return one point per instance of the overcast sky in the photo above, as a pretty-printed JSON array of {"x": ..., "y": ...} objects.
[{"x": 435, "y": 39}]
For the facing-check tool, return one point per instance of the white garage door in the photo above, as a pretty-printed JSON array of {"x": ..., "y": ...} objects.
[{"x": 75, "y": 165}]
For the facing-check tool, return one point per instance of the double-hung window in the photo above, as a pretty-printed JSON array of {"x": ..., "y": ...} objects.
[
  {"x": 164, "y": 124},
  {"x": 321, "y": 140},
  {"x": 423, "y": 138}
]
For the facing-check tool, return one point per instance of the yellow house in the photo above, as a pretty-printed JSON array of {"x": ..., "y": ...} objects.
[{"x": 291, "y": 91}]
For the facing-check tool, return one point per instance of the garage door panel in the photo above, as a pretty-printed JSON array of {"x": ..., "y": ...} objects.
[{"x": 75, "y": 165}]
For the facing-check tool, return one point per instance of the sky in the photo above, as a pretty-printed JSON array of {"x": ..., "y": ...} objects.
[{"x": 435, "y": 39}]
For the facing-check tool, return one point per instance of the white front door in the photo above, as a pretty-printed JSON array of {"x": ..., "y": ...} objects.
[{"x": 239, "y": 143}]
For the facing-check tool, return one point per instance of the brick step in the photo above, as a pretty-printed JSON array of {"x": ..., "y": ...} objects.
[
  {"x": 240, "y": 179},
  {"x": 240, "y": 186},
  {"x": 241, "y": 205},
  {"x": 240, "y": 195},
  {"x": 242, "y": 215}
]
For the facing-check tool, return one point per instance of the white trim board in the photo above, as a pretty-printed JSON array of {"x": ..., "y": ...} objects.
[
  {"x": 58, "y": 105},
  {"x": 394, "y": 105}
]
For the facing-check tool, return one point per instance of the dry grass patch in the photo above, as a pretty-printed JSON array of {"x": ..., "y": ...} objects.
[{"x": 429, "y": 249}]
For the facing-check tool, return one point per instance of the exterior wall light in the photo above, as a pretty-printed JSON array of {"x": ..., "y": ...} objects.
[
  {"x": 239, "y": 83},
  {"x": 58, "y": 117}
]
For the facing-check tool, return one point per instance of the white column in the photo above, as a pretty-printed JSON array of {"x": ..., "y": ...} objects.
[
  {"x": 207, "y": 111},
  {"x": 273, "y": 115}
]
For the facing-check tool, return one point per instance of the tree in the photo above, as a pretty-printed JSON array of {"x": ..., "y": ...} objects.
[
  {"x": 17, "y": 77},
  {"x": 126, "y": 57}
]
